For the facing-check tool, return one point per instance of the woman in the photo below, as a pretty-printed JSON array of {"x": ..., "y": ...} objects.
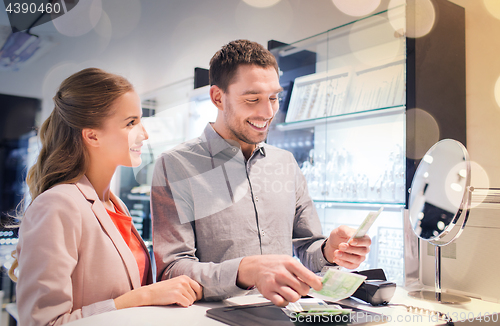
[{"x": 78, "y": 252}]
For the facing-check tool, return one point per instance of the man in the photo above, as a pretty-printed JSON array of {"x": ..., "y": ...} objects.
[{"x": 229, "y": 210}]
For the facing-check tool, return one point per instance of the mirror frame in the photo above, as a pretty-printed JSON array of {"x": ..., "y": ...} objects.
[{"x": 462, "y": 213}]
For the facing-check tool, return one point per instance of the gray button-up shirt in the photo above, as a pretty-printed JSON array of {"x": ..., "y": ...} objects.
[{"x": 211, "y": 208}]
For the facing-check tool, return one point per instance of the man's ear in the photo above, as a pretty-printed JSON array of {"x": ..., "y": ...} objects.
[
  {"x": 90, "y": 137},
  {"x": 216, "y": 95}
]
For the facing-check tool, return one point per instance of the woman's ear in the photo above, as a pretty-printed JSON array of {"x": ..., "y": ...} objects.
[
  {"x": 216, "y": 96},
  {"x": 90, "y": 137}
]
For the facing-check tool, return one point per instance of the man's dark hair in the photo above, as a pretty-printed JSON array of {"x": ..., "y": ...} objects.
[{"x": 226, "y": 61}]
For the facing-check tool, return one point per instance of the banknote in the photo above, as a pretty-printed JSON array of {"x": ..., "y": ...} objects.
[
  {"x": 367, "y": 223},
  {"x": 338, "y": 285}
]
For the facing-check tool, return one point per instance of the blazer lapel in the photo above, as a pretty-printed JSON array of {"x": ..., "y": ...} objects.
[{"x": 109, "y": 227}]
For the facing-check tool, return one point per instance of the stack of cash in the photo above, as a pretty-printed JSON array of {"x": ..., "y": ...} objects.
[{"x": 338, "y": 285}]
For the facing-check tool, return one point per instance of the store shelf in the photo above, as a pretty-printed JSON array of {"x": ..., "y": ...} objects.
[
  {"x": 359, "y": 205},
  {"x": 379, "y": 112}
]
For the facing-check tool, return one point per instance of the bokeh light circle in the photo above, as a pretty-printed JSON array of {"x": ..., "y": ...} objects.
[
  {"x": 497, "y": 91},
  {"x": 374, "y": 45},
  {"x": 356, "y": 7},
  {"x": 479, "y": 179},
  {"x": 493, "y": 7},
  {"x": 424, "y": 128},
  {"x": 261, "y": 3},
  {"x": 455, "y": 184},
  {"x": 416, "y": 19},
  {"x": 81, "y": 19},
  {"x": 396, "y": 13}
]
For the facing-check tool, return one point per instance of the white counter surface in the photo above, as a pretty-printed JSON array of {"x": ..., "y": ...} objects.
[{"x": 195, "y": 315}]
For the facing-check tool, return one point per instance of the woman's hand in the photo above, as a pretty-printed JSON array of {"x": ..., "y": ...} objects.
[{"x": 180, "y": 290}]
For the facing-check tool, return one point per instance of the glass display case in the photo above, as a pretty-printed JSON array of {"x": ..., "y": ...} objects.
[{"x": 345, "y": 114}]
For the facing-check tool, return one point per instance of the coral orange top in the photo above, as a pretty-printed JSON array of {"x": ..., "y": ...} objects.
[{"x": 123, "y": 223}]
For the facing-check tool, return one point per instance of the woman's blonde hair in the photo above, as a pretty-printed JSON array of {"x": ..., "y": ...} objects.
[{"x": 83, "y": 101}]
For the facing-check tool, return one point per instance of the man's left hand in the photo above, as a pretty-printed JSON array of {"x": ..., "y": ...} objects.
[{"x": 348, "y": 255}]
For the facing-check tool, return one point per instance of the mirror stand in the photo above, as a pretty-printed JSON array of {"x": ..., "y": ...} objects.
[
  {"x": 446, "y": 238},
  {"x": 437, "y": 294}
]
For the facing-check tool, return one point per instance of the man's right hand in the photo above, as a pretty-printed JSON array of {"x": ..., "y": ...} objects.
[{"x": 279, "y": 278}]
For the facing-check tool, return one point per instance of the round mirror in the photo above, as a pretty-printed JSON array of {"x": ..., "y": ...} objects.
[
  {"x": 439, "y": 205},
  {"x": 439, "y": 192}
]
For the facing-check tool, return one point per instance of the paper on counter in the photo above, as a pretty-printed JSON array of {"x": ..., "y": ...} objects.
[
  {"x": 306, "y": 304},
  {"x": 313, "y": 306},
  {"x": 338, "y": 285}
]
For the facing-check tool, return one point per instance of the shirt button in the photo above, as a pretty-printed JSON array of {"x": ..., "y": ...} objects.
[
  {"x": 234, "y": 149},
  {"x": 256, "y": 198},
  {"x": 262, "y": 232}
]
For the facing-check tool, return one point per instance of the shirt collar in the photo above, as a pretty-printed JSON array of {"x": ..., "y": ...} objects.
[
  {"x": 261, "y": 147},
  {"x": 217, "y": 144}
]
